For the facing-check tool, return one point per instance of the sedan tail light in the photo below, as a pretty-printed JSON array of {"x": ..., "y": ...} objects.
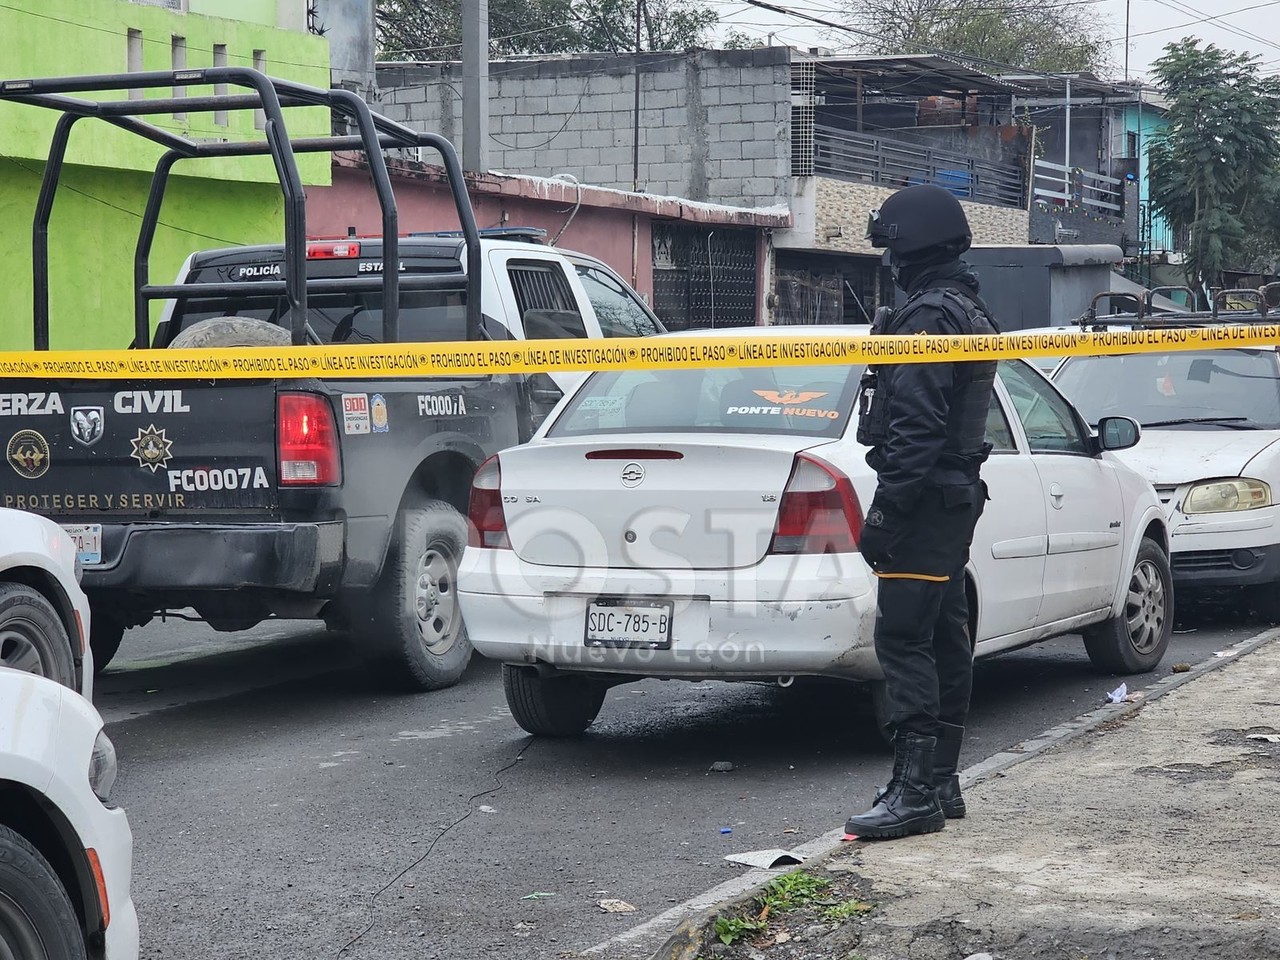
[
  {"x": 488, "y": 526},
  {"x": 819, "y": 511}
]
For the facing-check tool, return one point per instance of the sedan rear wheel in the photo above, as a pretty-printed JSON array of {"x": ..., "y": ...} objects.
[
  {"x": 558, "y": 706},
  {"x": 1135, "y": 641},
  {"x": 32, "y": 637},
  {"x": 37, "y": 921}
]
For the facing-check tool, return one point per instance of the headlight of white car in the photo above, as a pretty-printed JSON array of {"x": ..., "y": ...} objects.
[
  {"x": 1226, "y": 496},
  {"x": 103, "y": 767}
]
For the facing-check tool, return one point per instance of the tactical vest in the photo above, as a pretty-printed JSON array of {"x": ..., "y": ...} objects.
[{"x": 958, "y": 314}]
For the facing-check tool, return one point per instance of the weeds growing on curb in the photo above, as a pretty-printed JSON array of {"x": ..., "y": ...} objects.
[{"x": 792, "y": 891}]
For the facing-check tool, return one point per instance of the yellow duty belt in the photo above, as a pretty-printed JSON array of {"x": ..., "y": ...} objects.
[{"x": 536, "y": 356}]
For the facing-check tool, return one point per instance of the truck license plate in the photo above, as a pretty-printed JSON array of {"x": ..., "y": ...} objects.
[
  {"x": 629, "y": 622},
  {"x": 88, "y": 541}
]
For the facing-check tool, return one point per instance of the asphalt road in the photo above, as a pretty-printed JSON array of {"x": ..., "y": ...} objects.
[{"x": 283, "y": 806}]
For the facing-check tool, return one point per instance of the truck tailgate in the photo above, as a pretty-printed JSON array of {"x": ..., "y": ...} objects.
[{"x": 78, "y": 450}]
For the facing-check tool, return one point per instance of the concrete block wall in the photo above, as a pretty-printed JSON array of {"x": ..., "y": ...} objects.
[
  {"x": 715, "y": 125},
  {"x": 841, "y": 208}
]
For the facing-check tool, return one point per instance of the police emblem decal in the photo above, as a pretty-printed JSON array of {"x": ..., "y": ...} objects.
[
  {"x": 378, "y": 413},
  {"x": 87, "y": 424},
  {"x": 28, "y": 454},
  {"x": 151, "y": 448}
]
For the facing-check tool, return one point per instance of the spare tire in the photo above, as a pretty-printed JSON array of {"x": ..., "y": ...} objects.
[{"x": 231, "y": 332}]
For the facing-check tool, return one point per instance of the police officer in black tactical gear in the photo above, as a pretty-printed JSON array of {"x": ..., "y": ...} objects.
[{"x": 926, "y": 426}]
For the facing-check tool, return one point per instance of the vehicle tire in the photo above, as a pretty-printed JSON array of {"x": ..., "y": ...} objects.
[
  {"x": 231, "y": 332},
  {"x": 37, "y": 920},
  {"x": 105, "y": 634},
  {"x": 561, "y": 706},
  {"x": 416, "y": 639},
  {"x": 1135, "y": 641},
  {"x": 32, "y": 637}
]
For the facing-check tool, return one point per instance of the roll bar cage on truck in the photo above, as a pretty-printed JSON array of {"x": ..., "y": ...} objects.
[{"x": 292, "y": 498}]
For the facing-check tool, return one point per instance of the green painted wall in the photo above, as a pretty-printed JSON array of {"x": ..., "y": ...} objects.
[
  {"x": 96, "y": 219},
  {"x": 92, "y": 237}
]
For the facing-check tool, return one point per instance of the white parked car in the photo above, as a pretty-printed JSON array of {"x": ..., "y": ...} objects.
[
  {"x": 1211, "y": 422},
  {"x": 44, "y": 615},
  {"x": 66, "y": 854},
  {"x": 704, "y": 524}
]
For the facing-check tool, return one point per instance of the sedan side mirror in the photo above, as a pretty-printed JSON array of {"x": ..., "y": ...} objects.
[{"x": 1118, "y": 433}]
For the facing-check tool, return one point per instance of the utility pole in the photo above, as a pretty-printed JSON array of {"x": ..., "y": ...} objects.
[
  {"x": 1126, "y": 40},
  {"x": 635, "y": 139},
  {"x": 475, "y": 86}
]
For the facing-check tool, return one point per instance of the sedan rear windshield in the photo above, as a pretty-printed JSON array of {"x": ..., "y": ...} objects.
[
  {"x": 1216, "y": 388},
  {"x": 808, "y": 401}
]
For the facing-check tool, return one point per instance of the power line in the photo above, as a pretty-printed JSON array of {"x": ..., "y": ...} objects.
[
  {"x": 510, "y": 36},
  {"x": 1212, "y": 18},
  {"x": 125, "y": 210},
  {"x": 935, "y": 51}
]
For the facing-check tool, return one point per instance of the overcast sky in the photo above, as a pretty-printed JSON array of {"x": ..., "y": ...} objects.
[{"x": 1246, "y": 25}]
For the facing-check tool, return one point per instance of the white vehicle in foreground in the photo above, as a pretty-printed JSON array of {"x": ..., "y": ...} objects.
[
  {"x": 66, "y": 854},
  {"x": 44, "y": 615},
  {"x": 1211, "y": 422},
  {"x": 704, "y": 524}
]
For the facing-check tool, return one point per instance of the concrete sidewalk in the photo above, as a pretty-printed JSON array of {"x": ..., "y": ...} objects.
[{"x": 1156, "y": 835}]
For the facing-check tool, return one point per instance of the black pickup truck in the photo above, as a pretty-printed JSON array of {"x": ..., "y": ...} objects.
[{"x": 343, "y": 500}]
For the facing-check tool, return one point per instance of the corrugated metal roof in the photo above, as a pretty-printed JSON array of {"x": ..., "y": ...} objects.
[{"x": 915, "y": 75}]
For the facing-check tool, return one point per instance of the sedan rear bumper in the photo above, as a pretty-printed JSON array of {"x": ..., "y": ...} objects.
[{"x": 783, "y": 617}]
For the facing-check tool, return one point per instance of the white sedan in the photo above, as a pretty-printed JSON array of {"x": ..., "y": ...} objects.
[
  {"x": 1211, "y": 445},
  {"x": 44, "y": 615},
  {"x": 704, "y": 524},
  {"x": 66, "y": 854}
]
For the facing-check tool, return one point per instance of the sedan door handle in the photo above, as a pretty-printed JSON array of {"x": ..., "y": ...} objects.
[{"x": 1056, "y": 495}]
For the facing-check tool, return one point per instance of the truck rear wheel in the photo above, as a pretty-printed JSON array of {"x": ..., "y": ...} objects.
[
  {"x": 32, "y": 638},
  {"x": 415, "y": 638},
  {"x": 105, "y": 634}
]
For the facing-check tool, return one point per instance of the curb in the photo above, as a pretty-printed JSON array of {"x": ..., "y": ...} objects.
[{"x": 690, "y": 918}]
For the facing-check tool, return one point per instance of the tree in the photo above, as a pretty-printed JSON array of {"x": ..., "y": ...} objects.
[
  {"x": 1214, "y": 170},
  {"x": 432, "y": 30},
  {"x": 1061, "y": 37}
]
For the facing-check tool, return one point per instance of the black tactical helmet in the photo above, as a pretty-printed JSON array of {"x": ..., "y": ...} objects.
[{"x": 917, "y": 219}]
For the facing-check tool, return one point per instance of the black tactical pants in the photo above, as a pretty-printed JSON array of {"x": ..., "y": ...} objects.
[{"x": 922, "y": 616}]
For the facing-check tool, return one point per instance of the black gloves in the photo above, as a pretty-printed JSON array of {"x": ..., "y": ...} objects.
[{"x": 880, "y": 531}]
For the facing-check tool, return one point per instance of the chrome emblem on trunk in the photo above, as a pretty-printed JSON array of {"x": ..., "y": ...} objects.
[{"x": 632, "y": 475}]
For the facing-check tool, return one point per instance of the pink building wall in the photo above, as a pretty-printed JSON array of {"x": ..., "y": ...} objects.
[
  {"x": 605, "y": 233},
  {"x": 615, "y": 226}
]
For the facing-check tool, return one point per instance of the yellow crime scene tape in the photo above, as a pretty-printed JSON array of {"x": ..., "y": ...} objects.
[{"x": 537, "y": 356}]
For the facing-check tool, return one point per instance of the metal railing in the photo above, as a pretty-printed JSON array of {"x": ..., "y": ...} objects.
[
  {"x": 863, "y": 158},
  {"x": 1156, "y": 236},
  {"x": 1055, "y": 182}
]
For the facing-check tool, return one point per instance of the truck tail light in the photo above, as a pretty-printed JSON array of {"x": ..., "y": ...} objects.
[
  {"x": 308, "y": 441},
  {"x": 488, "y": 526},
  {"x": 819, "y": 511}
]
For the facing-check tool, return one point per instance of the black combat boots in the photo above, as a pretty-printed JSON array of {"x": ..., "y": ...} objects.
[
  {"x": 909, "y": 803},
  {"x": 946, "y": 757}
]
